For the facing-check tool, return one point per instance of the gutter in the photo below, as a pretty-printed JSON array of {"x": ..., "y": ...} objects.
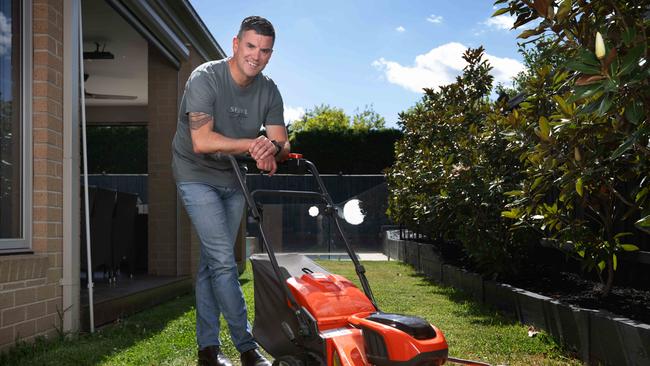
[{"x": 70, "y": 281}]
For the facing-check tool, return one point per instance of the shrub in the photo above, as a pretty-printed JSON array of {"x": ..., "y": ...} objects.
[
  {"x": 573, "y": 157},
  {"x": 452, "y": 169},
  {"x": 582, "y": 134},
  {"x": 348, "y": 151}
]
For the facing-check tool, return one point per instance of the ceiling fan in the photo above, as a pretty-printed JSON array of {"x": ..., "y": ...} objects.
[
  {"x": 102, "y": 54},
  {"x": 90, "y": 95},
  {"x": 97, "y": 54}
]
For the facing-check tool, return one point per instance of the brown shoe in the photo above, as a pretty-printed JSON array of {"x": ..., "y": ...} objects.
[
  {"x": 212, "y": 356},
  {"x": 253, "y": 358}
]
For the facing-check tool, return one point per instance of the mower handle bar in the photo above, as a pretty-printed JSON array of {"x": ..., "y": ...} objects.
[{"x": 324, "y": 195}]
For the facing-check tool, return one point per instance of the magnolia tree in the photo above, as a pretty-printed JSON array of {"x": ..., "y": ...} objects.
[
  {"x": 452, "y": 170},
  {"x": 568, "y": 157},
  {"x": 582, "y": 132}
]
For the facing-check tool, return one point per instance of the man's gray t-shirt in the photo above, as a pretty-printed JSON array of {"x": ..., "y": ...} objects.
[{"x": 238, "y": 113}]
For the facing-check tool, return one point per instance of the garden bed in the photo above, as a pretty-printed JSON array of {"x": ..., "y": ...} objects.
[
  {"x": 573, "y": 289},
  {"x": 556, "y": 282},
  {"x": 610, "y": 331}
]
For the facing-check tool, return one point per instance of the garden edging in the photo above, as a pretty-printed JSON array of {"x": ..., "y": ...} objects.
[{"x": 597, "y": 337}]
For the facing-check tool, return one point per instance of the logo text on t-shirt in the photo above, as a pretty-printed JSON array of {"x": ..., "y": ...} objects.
[{"x": 238, "y": 112}]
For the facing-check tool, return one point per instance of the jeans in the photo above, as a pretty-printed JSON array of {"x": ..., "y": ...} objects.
[{"x": 216, "y": 213}]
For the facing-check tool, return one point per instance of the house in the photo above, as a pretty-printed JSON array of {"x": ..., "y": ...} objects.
[{"x": 139, "y": 54}]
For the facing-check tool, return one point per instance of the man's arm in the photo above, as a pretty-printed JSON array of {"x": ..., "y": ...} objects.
[
  {"x": 206, "y": 141},
  {"x": 278, "y": 133},
  {"x": 268, "y": 162}
]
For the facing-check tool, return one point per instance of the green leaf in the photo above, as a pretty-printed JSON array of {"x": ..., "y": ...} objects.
[
  {"x": 642, "y": 193},
  {"x": 514, "y": 193},
  {"x": 576, "y": 65},
  {"x": 564, "y": 9},
  {"x": 601, "y": 265},
  {"x": 579, "y": 186},
  {"x": 614, "y": 261},
  {"x": 586, "y": 56},
  {"x": 631, "y": 60},
  {"x": 625, "y": 145},
  {"x": 537, "y": 181},
  {"x": 581, "y": 253},
  {"x": 628, "y": 35},
  {"x": 644, "y": 222},
  {"x": 610, "y": 85},
  {"x": 530, "y": 32},
  {"x": 581, "y": 92},
  {"x": 634, "y": 112},
  {"x": 621, "y": 235},
  {"x": 605, "y": 104},
  {"x": 564, "y": 107},
  {"x": 629, "y": 247},
  {"x": 450, "y": 159},
  {"x": 500, "y": 11},
  {"x": 544, "y": 128},
  {"x": 512, "y": 214}
]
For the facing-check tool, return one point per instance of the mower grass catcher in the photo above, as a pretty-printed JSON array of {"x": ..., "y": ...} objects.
[{"x": 306, "y": 316}]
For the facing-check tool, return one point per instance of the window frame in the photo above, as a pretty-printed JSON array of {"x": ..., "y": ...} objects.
[{"x": 24, "y": 243}]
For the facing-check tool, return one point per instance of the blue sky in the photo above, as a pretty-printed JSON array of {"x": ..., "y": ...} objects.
[{"x": 350, "y": 54}]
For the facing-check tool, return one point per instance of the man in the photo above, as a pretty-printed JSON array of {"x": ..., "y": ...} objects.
[{"x": 223, "y": 107}]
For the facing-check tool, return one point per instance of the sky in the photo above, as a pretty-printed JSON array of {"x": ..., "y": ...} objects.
[{"x": 356, "y": 53}]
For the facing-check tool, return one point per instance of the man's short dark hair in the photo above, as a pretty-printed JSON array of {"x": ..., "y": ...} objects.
[{"x": 258, "y": 24}]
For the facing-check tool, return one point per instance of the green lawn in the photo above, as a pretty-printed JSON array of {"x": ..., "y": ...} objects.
[{"x": 164, "y": 335}]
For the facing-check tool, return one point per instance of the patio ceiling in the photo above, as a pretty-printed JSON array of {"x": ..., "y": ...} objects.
[{"x": 126, "y": 74}]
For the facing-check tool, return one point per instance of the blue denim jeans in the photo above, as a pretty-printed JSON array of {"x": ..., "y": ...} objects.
[{"x": 216, "y": 213}]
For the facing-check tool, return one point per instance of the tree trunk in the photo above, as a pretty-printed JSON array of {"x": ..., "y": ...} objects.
[{"x": 610, "y": 278}]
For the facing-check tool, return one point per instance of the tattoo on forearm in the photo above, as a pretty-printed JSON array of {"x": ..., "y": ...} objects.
[{"x": 199, "y": 119}]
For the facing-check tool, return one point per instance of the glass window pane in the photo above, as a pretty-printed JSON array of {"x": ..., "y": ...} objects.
[{"x": 11, "y": 159}]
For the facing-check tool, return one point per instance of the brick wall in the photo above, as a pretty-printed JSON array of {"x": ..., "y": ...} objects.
[
  {"x": 163, "y": 106},
  {"x": 30, "y": 293}
]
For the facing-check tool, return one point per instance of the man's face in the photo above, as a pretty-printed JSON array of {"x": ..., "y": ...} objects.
[{"x": 251, "y": 53}]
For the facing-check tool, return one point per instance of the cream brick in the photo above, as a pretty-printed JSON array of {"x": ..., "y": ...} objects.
[
  {"x": 39, "y": 244},
  {"x": 13, "y": 285},
  {"x": 35, "y": 283},
  {"x": 54, "y": 306},
  {"x": 44, "y": 120},
  {"x": 46, "y": 323},
  {"x": 13, "y": 316},
  {"x": 25, "y": 330},
  {"x": 7, "y": 300},
  {"x": 7, "y": 336},
  {"x": 25, "y": 296},
  {"x": 45, "y": 292},
  {"x": 36, "y": 310},
  {"x": 54, "y": 275},
  {"x": 5, "y": 268}
]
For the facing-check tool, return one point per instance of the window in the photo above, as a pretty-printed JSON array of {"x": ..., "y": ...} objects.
[{"x": 15, "y": 158}]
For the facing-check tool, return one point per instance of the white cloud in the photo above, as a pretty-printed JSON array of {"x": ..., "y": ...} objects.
[
  {"x": 504, "y": 68},
  {"x": 440, "y": 66},
  {"x": 293, "y": 113},
  {"x": 503, "y": 21},
  {"x": 5, "y": 34},
  {"x": 435, "y": 19},
  {"x": 400, "y": 29}
]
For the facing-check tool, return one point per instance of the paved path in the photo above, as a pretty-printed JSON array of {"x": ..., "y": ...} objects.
[{"x": 344, "y": 256}]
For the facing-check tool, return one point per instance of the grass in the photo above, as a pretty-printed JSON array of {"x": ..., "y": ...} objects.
[{"x": 164, "y": 335}]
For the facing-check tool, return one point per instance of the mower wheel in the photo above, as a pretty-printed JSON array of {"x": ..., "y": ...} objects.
[{"x": 287, "y": 361}]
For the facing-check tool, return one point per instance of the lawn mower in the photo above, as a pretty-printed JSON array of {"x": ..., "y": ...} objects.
[{"x": 305, "y": 315}]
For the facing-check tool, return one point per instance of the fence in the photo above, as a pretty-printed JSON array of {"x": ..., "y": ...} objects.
[{"x": 292, "y": 225}]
